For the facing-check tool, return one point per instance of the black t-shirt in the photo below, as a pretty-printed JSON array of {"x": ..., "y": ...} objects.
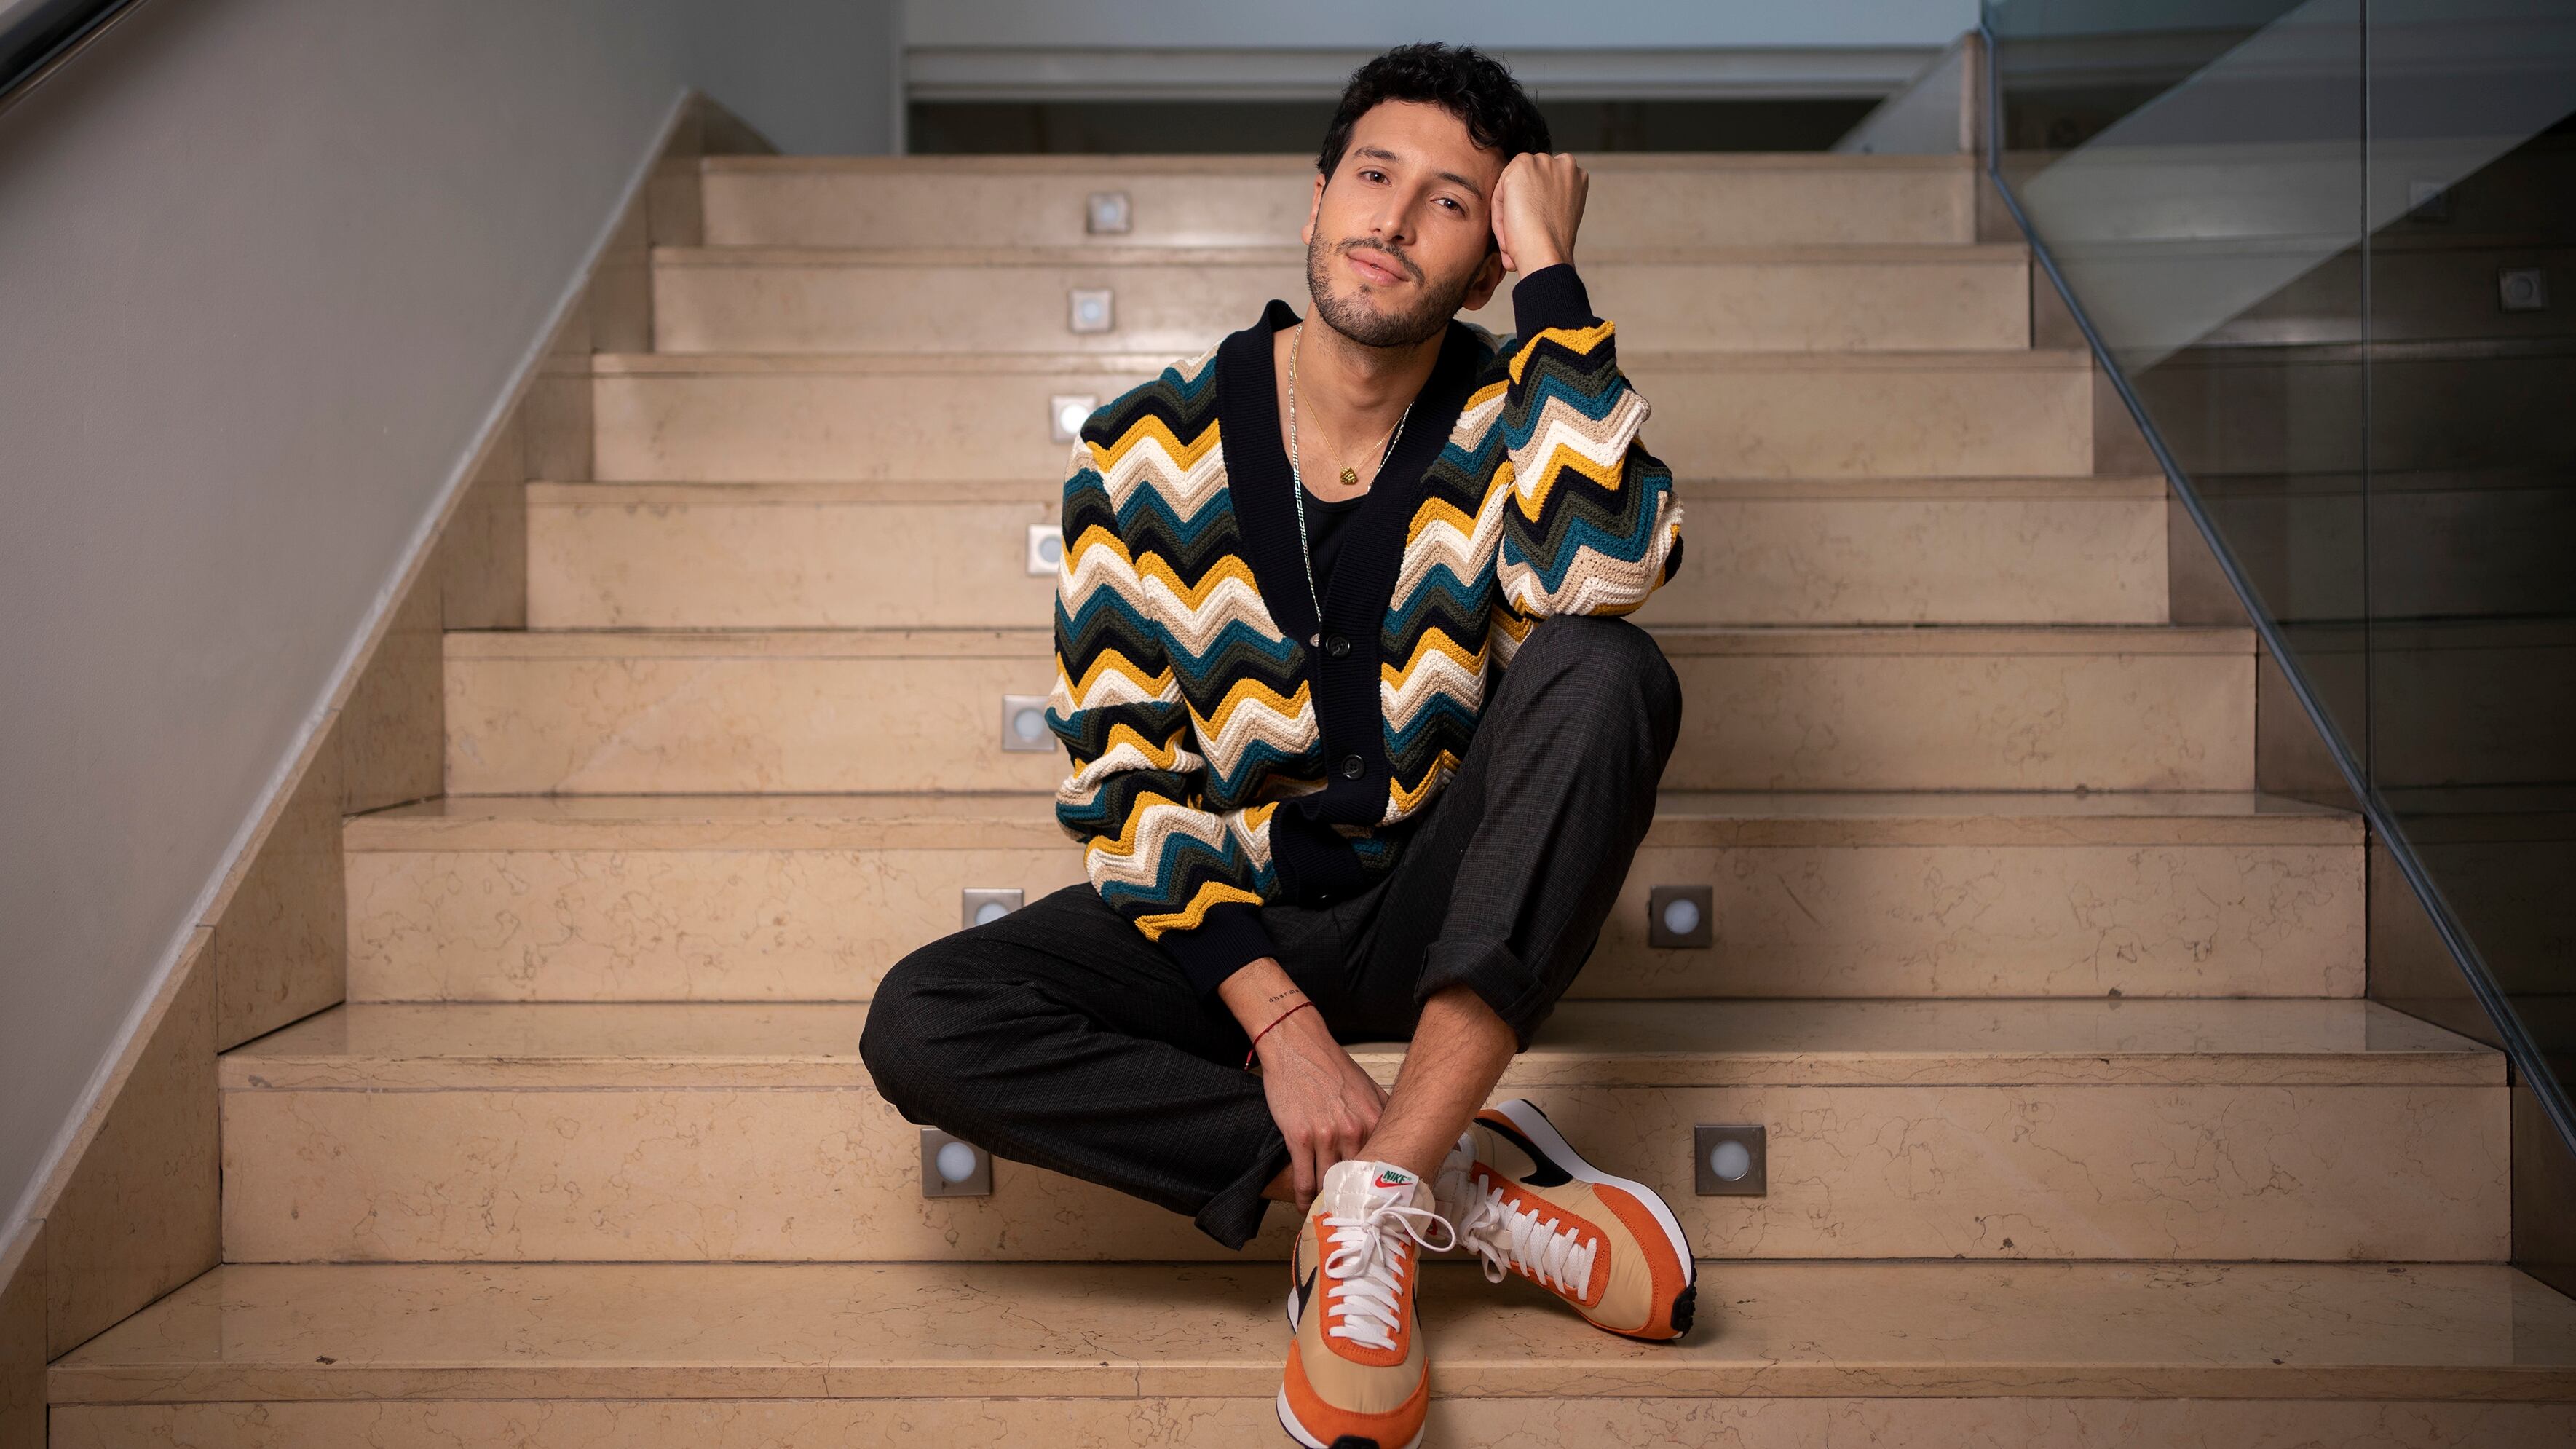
[{"x": 1324, "y": 523}]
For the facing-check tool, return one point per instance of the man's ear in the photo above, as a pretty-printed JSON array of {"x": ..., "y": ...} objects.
[
  {"x": 1489, "y": 275},
  {"x": 1314, "y": 208}
]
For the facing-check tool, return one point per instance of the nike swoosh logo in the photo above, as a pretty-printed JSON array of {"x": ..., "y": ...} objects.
[
  {"x": 1546, "y": 1173},
  {"x": 1305, "y": 1293}
]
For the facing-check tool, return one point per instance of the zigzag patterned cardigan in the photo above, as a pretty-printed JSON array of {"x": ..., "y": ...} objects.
[{"x": 1229, "y": 747}]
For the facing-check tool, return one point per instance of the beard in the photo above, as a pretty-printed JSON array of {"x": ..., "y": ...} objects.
[{"x": 1355, "y": 319}]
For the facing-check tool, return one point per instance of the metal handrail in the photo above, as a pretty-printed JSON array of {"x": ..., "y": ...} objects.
[
  {"x": 2530, "y": 1066},
  {"x": 37, "y": 43}
]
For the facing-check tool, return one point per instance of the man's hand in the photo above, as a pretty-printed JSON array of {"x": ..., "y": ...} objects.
[
  {"x": 1537, "y": 206},
  {"x": 1324, "y": 1104}
]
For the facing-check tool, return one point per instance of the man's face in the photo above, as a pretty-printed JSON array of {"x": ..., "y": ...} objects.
[{"x": 1396, "y": 242}]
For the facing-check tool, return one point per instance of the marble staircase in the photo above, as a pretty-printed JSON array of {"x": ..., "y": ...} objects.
[{"x": 2078, "y": 1128}]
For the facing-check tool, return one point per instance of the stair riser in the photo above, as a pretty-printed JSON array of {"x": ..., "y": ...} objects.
[
  {"x": 1917, "y": 561},
  {"x": 752, "y": 924},
  {"x": 816, "y": 1173},
  {"x": 757, "y": 565},
  {"x": 1826, "y": 420},
  {"x": 665, "y": 725},
  {"x": 633, "y": 561},
  {"x": 1240, "y": 206},
  {"x": 1118, "y": 1421},
  {"x": 709, "y": 303}
]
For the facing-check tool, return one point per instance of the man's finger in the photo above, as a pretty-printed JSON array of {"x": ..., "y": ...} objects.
[{"x": 1301, "y": 1169}]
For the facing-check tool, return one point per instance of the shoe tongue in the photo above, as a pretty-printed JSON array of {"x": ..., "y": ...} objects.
[{"x": 1355, "y": 1186}]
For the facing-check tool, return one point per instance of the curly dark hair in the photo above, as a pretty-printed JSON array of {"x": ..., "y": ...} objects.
[{"x": 1460, "y": 79}]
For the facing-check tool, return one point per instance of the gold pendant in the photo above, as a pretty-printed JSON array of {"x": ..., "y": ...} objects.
[{"x": 1350, "y": 477}]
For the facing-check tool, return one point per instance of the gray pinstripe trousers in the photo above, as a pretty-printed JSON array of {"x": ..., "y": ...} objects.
[{"x": 1059, "y": 1036}]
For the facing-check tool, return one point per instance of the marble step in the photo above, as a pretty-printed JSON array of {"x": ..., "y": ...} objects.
[
  {"x": 798, "y": 711},
  {"x": 737, "y": 1356},
  {"x": 812, "y": 897},
  {"x": 994, "y": 1356},
  {"x": 1181, "y": 301},
  {"x": 958, "y": 554},
  {"x": 933, "y": 417},
  {"x": 1210, "y": 1422},
  {"x": 2313, "y": 1130},
  {"x": 1636, "y": 200}
]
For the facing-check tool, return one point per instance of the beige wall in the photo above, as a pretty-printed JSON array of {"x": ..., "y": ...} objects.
[{"x": 274, "y": 272}]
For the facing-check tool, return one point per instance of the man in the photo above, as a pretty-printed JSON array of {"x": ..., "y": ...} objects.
[{"x": 1359, "y": 753}]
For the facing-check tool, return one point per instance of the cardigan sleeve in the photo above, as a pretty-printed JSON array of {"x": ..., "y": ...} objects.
[
  {"x": 1592, "y": 526},
  {"x": 1191, "y": 879}
]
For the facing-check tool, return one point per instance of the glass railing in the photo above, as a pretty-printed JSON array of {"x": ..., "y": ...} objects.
[
  {"x": 38, "y": 35},
  {"x": 2328, "y": 250}
]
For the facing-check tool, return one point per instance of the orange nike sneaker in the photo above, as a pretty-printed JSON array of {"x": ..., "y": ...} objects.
[
  {"x": 1521, "y": 1199},
  {"x": 1358, "y": 1376}
]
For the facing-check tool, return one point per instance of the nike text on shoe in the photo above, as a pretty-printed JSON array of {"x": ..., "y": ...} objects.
[
  {"x": 1521, "y": 1199},
  {"x": 1358, "y": 1376}
]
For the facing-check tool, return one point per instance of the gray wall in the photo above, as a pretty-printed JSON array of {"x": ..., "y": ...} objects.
[
  {"x": 816, "y": 77},
  {"x": 1342, "y": 24},
  {"x": 266, "y": 267}
]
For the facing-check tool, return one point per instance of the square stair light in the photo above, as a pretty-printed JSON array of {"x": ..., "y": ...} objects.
[
  {"x": 1066, "y": 413},
  {"x": 1727, "y": 1161},
  {"x": 1680, "y": 917},
  {"x": 1090, "y": 309},
  {"x": 1024, "y": 724},
  {"x": 1107, "y": 213},
  {"x": 986, "y": 904},
  {"x": 1046, "y": 549},
  {"x": 954, "y": 1167},
  {"x": 2522, "y": 289}
]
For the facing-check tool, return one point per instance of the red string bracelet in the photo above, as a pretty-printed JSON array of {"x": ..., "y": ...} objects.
[{"x": 1265, "y": 1031}]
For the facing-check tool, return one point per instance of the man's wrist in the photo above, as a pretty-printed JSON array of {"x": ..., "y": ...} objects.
[
  {"x": 1293, "y": 1031},
  {"x": 1542, "y": 258},
  {"x": 1259, "y": 993}
]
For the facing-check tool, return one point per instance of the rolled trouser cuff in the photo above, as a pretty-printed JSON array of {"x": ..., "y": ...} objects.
[
  {"x": 1494, "y": 972},
  {"x": 1234, "y": 1215}
]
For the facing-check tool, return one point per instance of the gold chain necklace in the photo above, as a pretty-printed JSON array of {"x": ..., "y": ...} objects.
[{"x": 1297, "y": 480}]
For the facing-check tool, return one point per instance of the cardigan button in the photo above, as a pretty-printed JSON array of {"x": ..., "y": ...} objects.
[
  {"x": 1336, "y": 646},
  {"x": 1353, "y": 767}
]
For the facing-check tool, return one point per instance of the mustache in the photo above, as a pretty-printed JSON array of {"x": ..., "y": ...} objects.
[{"x": 1398, "y": 259}]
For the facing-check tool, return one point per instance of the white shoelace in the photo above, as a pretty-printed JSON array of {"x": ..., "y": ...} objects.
[
  {"x": 1506, "y": 1238},
  {"x": 1368, "y": 1259}
]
